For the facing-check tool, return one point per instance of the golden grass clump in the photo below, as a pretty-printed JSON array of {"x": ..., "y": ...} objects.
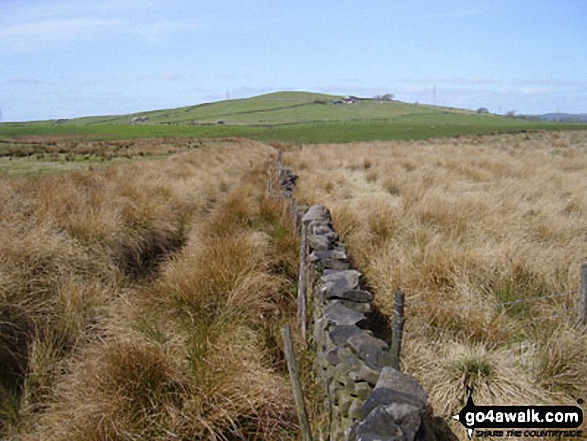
[
  {"x": 120, "y": 390},
  {"x": 194, "y": 353},
  {"x": 76, "y": 249},
  {"x": 486, "y": 236},
  {"x": 562, "y": 361}
]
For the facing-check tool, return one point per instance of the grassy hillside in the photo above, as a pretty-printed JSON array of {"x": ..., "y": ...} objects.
[
  {"x": 240, "y": 111},
  {"x": 288, "y": 117},
  {"x": 273, "y": 109}
]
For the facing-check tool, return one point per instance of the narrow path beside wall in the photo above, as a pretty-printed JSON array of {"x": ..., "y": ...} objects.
[{"x": 364, "y": 397}]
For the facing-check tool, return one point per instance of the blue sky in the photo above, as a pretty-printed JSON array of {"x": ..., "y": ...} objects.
[{"x": 68, "y": 58}]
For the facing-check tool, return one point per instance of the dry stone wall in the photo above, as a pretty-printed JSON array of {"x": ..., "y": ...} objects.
[{"x": 366, "y": 398}]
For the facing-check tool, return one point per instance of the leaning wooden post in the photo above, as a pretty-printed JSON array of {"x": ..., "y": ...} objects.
[
  {"x": 293, "y": 206},
  {"x": 269, "y": 184},
  {"x": 278, "y": 163},
  {"x": 302, "y": 302},
  {"x": 398, "y": 328},
  {"x": 583, "y": 295},
  {"x": 296, "y": 385}
]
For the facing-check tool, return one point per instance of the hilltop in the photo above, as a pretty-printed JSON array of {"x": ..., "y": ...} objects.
[
  {"x": 293, "y": 117},
  {"x": 273, "y": 109},
  {"x": 565, "y": 117}
]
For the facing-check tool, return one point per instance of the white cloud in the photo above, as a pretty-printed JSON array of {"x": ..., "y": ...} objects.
[
  {"x": 536, "y": 90},
  {"x": 41, "y": 26},
  {"x": 35, "y": 35}
]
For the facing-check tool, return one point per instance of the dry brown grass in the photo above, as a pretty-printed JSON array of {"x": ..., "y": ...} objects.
[
  {"x": 109, "y": 331},
  {"x": 466, "y": 227},
  {"x": 204, "y": 326},
  {"x": 68, "y": 150}
]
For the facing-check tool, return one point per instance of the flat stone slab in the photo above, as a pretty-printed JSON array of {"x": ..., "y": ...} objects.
[
  {"x": 405, "y": 406},
  {"x": 367, "y": 347},
  {"x": 378, "y": 425},
  {"x": 365, "y": 308},
  {"x": 330, "y": 271},
  {"x": 401, "y": 397},
  {"x": 391, "y": 378},
  {"x": 332, "y": 357},
  {"x": 387, "y": 397},
  {"x": 316, "y": 212},
  {"x": 321, "y": 228},
  {"x": 319, "y": 243},
  {"x": 349, "y": 277},
  {"x": 336, "y": 254},
  {"x": 355, "y": 295},
  {"x": 335, "y": 264},
  {"x": 341, "y": 315},
  {"x": 334, "y": 284},
  {"x": 365, "y": 373},
  {"x": 340, "y": 334}
]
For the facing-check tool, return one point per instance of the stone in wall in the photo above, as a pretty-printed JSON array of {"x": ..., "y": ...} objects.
[
  {"x": 287, "y": 182},
  {"x": 394, "y": 410}
]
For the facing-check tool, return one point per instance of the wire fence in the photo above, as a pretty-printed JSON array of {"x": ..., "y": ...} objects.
[
  {"x": 423, "y": 328},
  {"x": 489, "y": 307}
]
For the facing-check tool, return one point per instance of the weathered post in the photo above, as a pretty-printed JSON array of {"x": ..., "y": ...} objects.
[
  {"x": 296, "y": 385},
  {"x": 583, "y": 295},
  {"x": 302, "y": 302},
  {"x": 278, "y": 161},
  {"x": 397, "y": 328},
  {"x": 269, "y": 185},
  {"x": 293, "y": 206}
]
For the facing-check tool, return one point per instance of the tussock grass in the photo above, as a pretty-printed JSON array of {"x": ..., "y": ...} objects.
[
  {"x": 190, "y": 356},
  {"x": 448, "y": 365},
  {"x": 561, "y": 360},
  {"x": 486, "y": 236},
  {"x": 88, "y": 353}
]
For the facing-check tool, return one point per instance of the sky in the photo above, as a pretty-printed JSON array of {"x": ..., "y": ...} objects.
[{"x": 71, "y": 58}]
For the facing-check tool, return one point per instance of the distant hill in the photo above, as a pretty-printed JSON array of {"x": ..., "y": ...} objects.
[
  {"x": 565, "y": 117},
  {"x": 273, "y": 109},
  {"x": 292, "y": 117}
]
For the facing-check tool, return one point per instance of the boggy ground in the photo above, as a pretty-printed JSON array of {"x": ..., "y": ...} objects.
[
  {"x": 41, "y": 155},
  {"x": 143, "y": 301},
  {"x": 486, "y": 235}
]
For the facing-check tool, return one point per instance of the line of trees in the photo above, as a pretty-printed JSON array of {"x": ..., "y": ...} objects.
[{"x": 386, "y": 97}]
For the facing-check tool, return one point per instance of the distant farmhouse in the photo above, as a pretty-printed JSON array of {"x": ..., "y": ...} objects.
[
  {"x": 139, "y": 120},
  {"x": 347, "y": 100}
]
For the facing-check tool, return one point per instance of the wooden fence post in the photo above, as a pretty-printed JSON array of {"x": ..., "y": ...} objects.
[
  {"x": 397, "y": 328},
  {"x": 293, "y": 206},
  {"x": 295, "y": 382},
  {"x": 278, "y": 163},
  {"x": 302, "y": 302},
  {"x": 583, "y": 295},
  {"x": 269, "y": 185}
]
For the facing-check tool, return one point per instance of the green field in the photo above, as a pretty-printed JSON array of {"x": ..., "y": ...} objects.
[{"x": 294, "y": 117}]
